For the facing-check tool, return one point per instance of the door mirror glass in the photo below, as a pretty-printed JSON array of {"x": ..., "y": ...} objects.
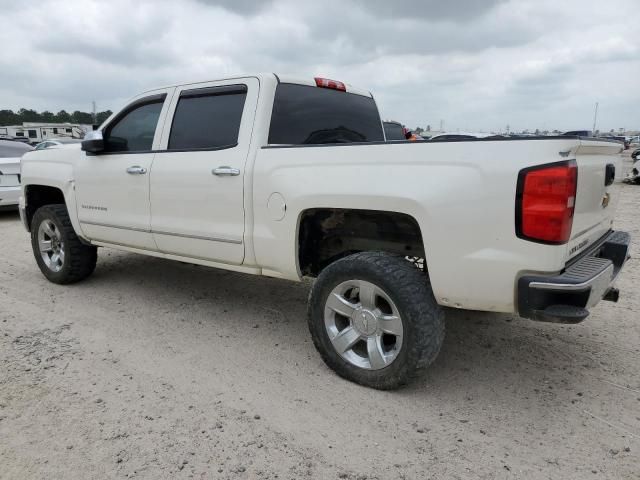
[{"x": 93, "y": 142}]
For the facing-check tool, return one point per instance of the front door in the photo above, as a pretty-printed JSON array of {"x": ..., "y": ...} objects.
[
  {"x": 197, "y": 185},
  {"x": 112, "y": 188}
]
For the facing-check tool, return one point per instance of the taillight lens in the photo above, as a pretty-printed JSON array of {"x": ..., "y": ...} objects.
[
  {"x": 545, "y": 200},
  {"x": 328, "y": 83}
]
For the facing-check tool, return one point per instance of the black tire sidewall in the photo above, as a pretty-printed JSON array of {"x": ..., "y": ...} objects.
[
  {"x": 42, "y": 214},
  {"x": 411, "y": 308},
  {"x": 79, "y": 258}
]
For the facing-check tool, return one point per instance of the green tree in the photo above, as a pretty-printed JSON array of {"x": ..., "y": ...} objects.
[
  {"x": 102, "y": 116},
  {"x": 81, "y": 117},
  {"x": 47, "y": 117},
  {"x": 28, "y": 115},
  {"x": 62, "y": 116},
  {"x": 8, "y": 117}
]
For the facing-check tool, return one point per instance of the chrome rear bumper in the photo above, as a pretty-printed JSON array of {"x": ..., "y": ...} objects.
[{"x": 568, "y": 296}]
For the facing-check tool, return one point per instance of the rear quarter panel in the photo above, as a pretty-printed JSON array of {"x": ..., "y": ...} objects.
[{"x": 462, "y": 194}]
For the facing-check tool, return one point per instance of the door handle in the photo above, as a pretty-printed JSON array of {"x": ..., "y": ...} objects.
[
  {"x": 226, "y": 171},
  {"x": 136, "y": 170}
]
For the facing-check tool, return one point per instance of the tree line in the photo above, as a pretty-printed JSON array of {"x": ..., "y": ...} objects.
[{"x": 9, "y": 117}]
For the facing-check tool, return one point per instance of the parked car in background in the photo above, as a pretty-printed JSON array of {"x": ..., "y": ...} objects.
[
  {"x": 56, "y": 142},
  {"x": 10, "y": 156},
  {"x": 393, "y": 130},
  {"x": 578, "y": 133},
  {"x": 634, "y": 175},
  {"x": 457, "y": 136}
]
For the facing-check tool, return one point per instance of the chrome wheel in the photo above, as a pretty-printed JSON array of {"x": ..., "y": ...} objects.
[
  {"x": 51, "y": 245},
  {"x": 363, "y": 324}
]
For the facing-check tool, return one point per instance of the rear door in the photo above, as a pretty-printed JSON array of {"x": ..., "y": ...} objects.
[{"x": 197, "y": 184}]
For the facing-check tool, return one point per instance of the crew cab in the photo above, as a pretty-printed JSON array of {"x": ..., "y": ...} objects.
[{"x": 290, "y": 178}]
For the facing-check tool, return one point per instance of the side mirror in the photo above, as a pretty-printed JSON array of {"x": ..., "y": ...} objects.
[{"x": 93, "y": 142}]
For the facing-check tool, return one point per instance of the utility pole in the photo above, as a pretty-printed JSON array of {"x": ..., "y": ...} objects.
[
  {"x": 595, "y": 119},
  {"x": 93, "y": 103}
]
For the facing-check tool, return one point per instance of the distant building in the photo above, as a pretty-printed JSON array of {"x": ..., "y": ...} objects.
[{"x": 36, "y": 132}]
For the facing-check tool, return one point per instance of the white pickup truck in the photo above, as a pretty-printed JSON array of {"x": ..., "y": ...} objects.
[{"x": 289, "y": 178}]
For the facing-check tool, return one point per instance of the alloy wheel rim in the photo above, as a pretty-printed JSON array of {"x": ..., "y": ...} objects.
[
  {"x": 363, "y": 324},
  {"x": 51, "y": 245}
]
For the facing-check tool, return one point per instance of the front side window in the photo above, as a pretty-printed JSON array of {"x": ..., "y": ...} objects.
[
  {"x": 134, "y": 131},
  {"x": 208, "y": 118},
  {"x": 312, "y": 115}
]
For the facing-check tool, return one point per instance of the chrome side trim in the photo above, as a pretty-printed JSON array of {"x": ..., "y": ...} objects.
[
  {"x": 171, "y": 234},
  {"x": 107, "y": 225},
  {"x": 198, "y": 237}
]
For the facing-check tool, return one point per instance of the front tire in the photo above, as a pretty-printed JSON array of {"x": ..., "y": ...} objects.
[
  {"x": 374, "y": 319},
  {"x": 60, "y": 254}
]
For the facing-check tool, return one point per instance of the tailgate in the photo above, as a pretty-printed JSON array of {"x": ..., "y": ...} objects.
[{"x": 595, "y": 201}]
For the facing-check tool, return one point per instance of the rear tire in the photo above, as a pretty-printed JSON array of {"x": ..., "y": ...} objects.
[
  {"x": 389, "y": 327},
  {"x": 60, "y": 254}
]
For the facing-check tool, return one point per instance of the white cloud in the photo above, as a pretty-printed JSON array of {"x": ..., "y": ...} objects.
[{"x": 474, "y": 64}]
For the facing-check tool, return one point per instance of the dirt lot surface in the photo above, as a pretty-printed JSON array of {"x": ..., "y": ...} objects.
[{"x": 156, "y": 369}]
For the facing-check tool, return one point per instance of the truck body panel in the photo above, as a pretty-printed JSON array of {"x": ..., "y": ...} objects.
[{"x": 460, "y": 193}]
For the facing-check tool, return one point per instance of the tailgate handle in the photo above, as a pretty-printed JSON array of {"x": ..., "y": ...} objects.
[{"x": 610, "y": 174}]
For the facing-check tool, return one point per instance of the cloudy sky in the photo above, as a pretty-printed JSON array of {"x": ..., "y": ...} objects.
[{"x": 474, "y": 64}]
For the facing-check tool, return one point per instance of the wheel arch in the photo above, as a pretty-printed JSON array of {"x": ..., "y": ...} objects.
[
  {"x": 325, "y": 235},
  {"x": 37, "y": 196}
]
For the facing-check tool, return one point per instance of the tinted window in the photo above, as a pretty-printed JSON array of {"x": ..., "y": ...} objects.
[
  {"x": 208, "y": 118},
  {"x": 33, "y": 134},
  {"x": 312, "y": 115},
  {"x": 393, "y": 131},
  {"x": 135, "y": 130}
]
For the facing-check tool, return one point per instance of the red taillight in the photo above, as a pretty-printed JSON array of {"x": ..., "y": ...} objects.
[
  {"x": 328, "y": 83},
  {"x": 545, "y": 200}
]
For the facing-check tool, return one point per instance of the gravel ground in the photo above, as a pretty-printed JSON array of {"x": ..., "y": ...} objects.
[{"x": 157, "y": 369}]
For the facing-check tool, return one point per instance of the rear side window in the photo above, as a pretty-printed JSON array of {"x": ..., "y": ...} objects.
[
  {"x": 134, "y": 131},
  {"x": 304, "y": 115},
  {"x": 208, "y": 118}
]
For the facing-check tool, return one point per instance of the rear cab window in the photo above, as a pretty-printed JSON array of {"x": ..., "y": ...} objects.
[{"x": 309, "y": 115}]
